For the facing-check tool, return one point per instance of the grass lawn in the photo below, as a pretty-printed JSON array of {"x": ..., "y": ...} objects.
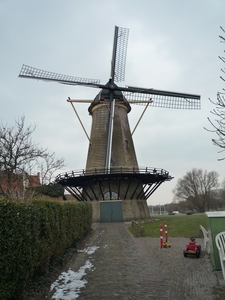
[{"x": 178, "y": 225}]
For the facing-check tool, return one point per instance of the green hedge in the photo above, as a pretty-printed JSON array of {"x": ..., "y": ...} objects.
[{"x": 33, "y": 233}]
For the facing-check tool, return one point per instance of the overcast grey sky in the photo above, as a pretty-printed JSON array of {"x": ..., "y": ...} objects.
[{"x": 173, "y": 45}]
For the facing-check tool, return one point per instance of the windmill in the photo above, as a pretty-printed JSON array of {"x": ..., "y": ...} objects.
[{"x": 112, "y": 171}]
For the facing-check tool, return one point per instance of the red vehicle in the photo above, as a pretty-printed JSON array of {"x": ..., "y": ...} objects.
[{"x": 192, "y": 248}]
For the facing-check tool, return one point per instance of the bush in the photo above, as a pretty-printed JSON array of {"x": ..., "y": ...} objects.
[
  {"x": 33, "y": 233},
  {"x": 52, "y": 190},
  {"x": 189, "y": 213}
]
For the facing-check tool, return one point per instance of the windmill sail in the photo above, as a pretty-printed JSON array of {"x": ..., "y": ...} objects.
[
  {"x": 34, "y": 73},
  {"x": 164, "y": 99},
  {"x": 117, "y": 74},
  {"x": 119, "y": 54}
]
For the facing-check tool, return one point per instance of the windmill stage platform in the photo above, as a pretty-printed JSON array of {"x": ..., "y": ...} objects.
[{"x": 121, "y": 191}]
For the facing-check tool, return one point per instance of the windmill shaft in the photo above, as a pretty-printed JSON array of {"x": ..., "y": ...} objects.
[{"x": 110, "y": 133}]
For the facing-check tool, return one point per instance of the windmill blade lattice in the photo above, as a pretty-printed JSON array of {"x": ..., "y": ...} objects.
[
  {"x": 164, "y": 101},
  {"x": 33, "y": 73},
  {"x": 119, "y": 54}
]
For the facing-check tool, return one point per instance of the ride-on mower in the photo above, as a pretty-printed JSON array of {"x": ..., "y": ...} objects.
[{"x": 192, "y": 248}]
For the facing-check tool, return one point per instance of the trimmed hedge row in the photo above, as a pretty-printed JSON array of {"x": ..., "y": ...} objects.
[{"x": 33, "y": 233}]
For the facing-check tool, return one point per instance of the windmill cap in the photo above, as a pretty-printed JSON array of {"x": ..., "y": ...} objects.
[{"x": 104, "y": 96}]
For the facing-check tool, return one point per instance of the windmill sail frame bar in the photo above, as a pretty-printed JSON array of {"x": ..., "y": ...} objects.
[
  {"x": 133, "y": 95},
  {"x": 175, "y": 101},
  {"x": 119, "y": 54},
  {"x": 34, "y": 73}
]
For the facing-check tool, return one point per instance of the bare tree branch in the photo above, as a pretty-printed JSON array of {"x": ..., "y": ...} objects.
[
  {"x": 219, "y": 112},
  {"x": 196, "y": 188},
  {"x": 48, "y": 166},
  {"x": 19, "y": 156}
]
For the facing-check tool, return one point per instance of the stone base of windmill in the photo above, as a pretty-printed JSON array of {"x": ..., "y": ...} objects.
[{"x": 120, "y": 211}]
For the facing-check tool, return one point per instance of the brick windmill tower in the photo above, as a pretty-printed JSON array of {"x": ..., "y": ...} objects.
[{"x": 112, "y": 180}]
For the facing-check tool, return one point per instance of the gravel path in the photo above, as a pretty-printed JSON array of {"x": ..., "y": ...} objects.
[
  {"x": 136, "y": 268},
  {"x": 115, "y": 265}
]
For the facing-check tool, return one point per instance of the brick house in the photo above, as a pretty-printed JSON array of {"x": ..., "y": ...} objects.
[{"x": 16, "y": 185}]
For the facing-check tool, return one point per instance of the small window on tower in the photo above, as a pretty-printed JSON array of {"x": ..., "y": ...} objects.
[{"x": 126, "y": 144}]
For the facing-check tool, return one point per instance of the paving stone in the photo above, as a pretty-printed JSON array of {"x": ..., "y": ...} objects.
[{"x": 125, "y": 267}]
